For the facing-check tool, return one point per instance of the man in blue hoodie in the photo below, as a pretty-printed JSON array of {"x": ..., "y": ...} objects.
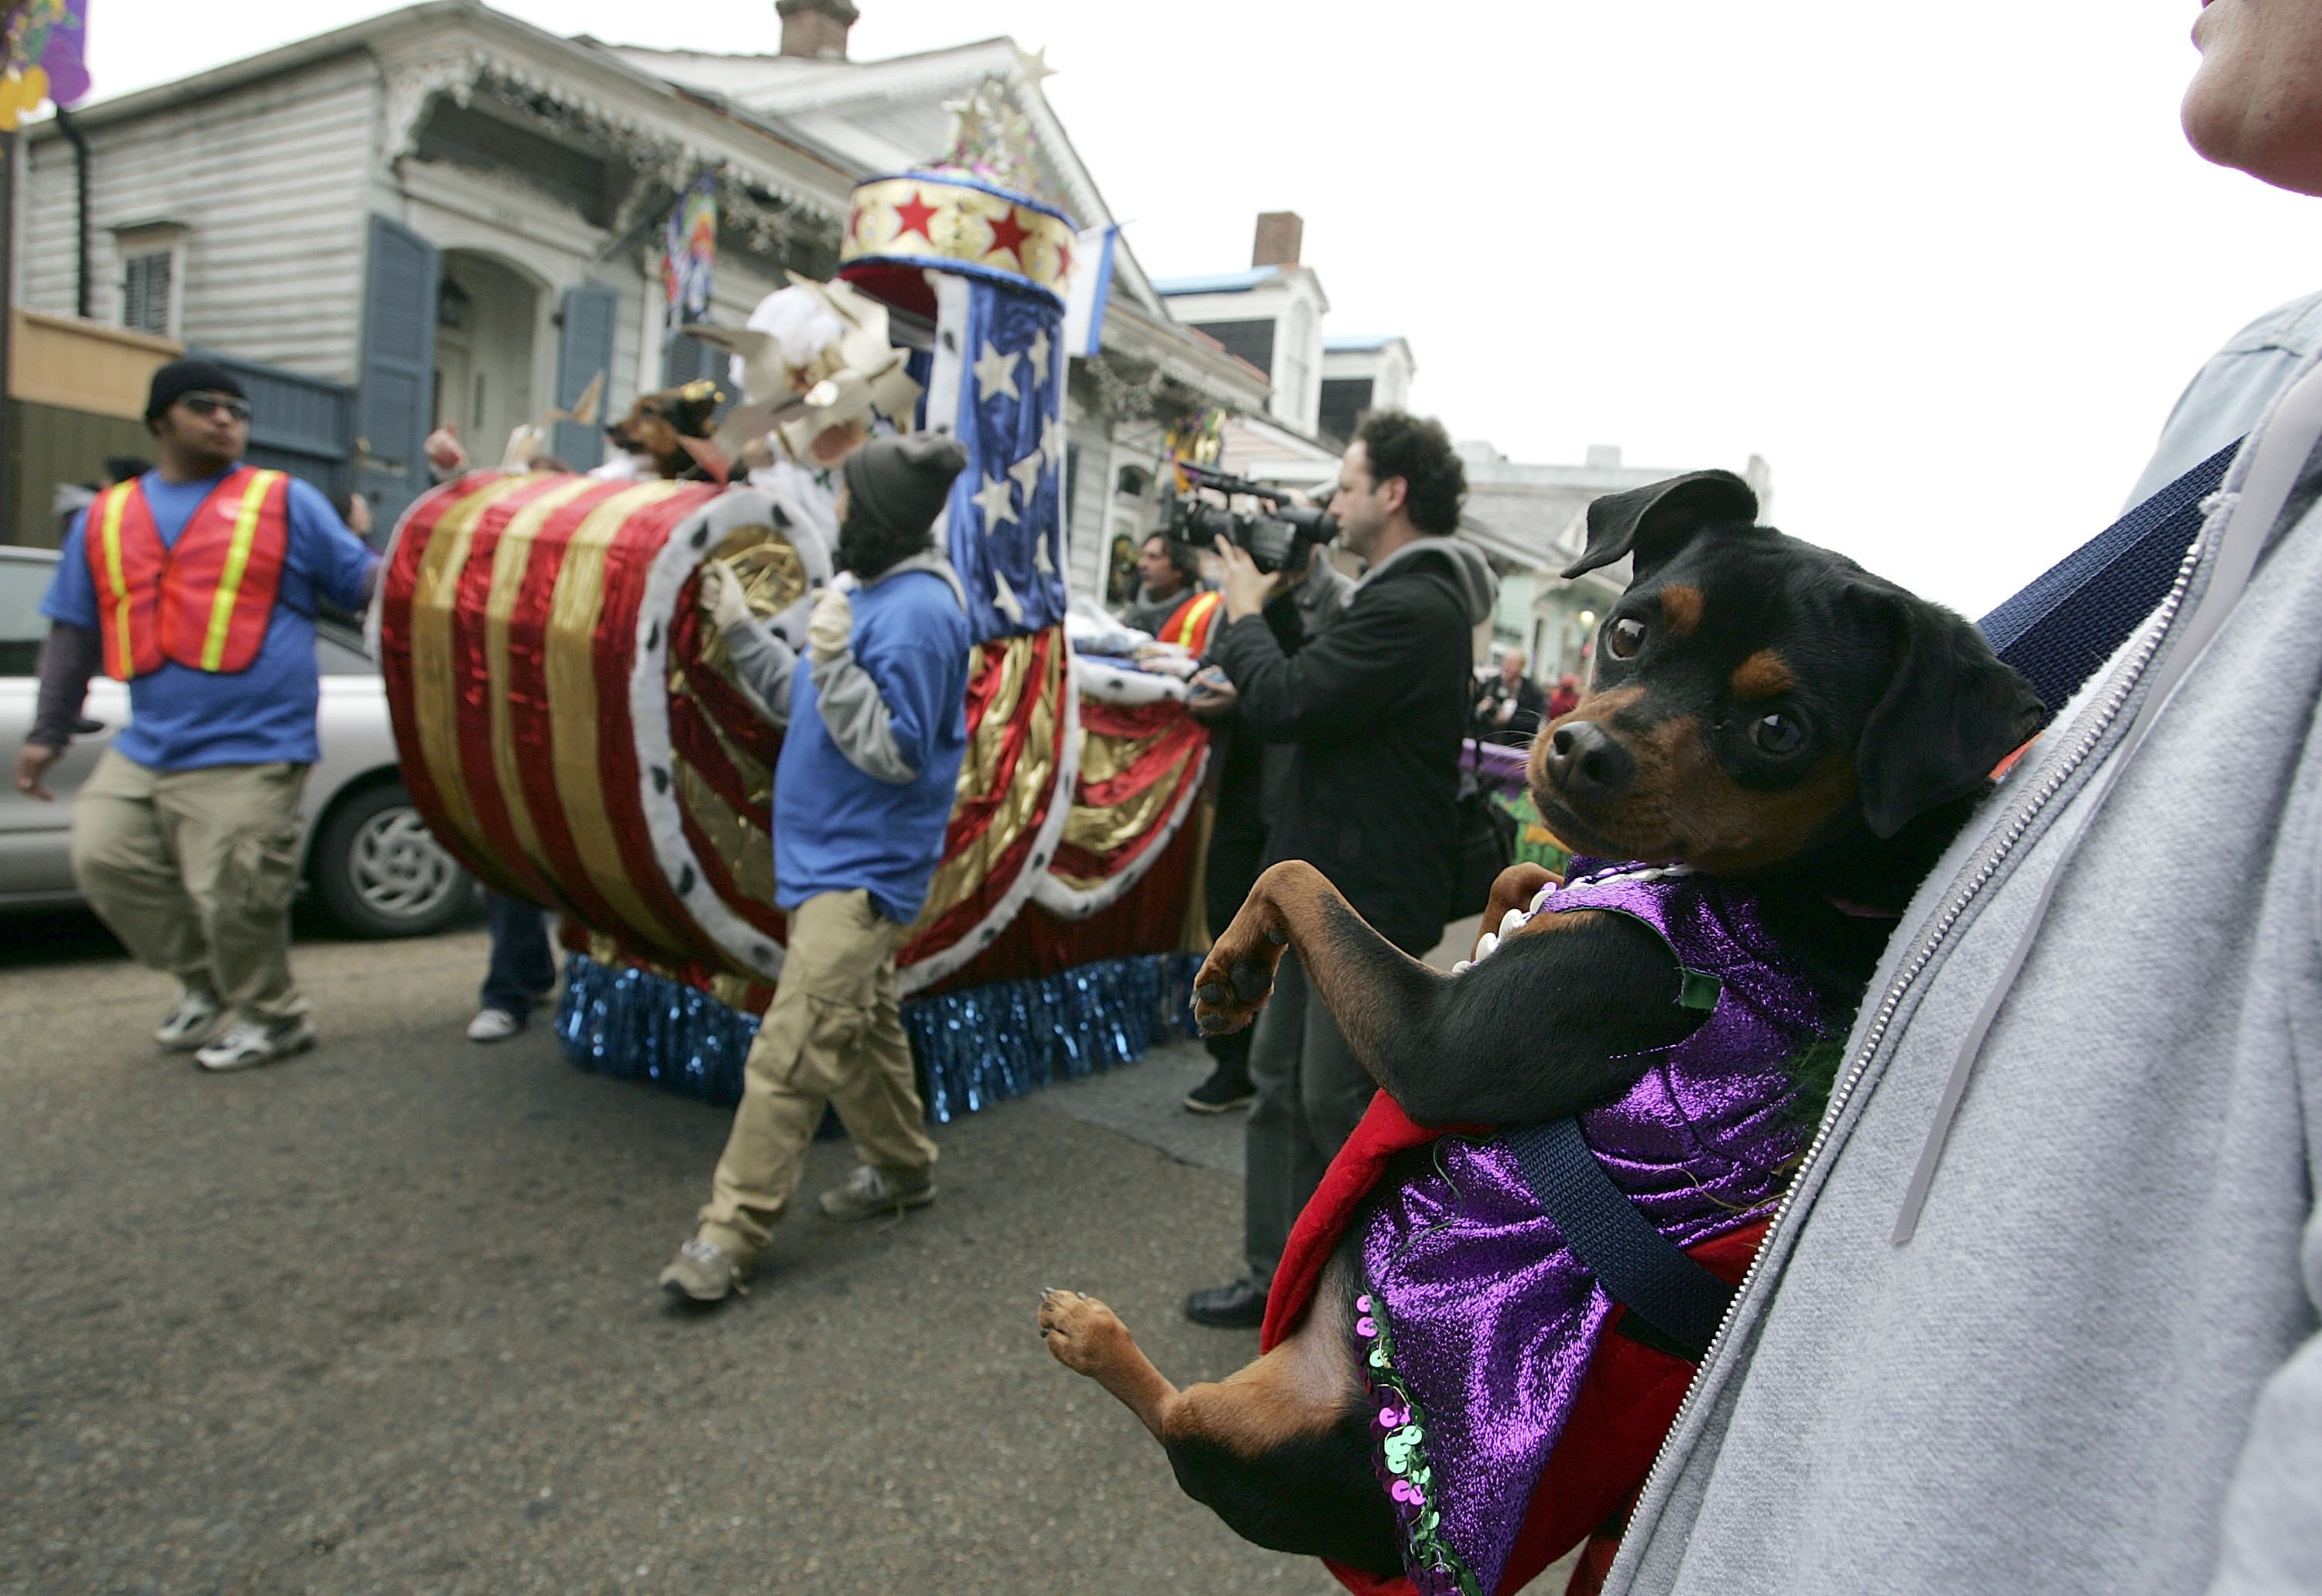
[{"x": 875, "y": 727}]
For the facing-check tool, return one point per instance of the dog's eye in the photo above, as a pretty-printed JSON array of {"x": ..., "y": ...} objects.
[
  {"x": 1776, "y": 734},
  {"x": 1624, "y": 638}
]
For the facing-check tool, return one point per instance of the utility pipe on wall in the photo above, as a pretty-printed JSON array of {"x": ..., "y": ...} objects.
[{"x": 73, "y": 136}]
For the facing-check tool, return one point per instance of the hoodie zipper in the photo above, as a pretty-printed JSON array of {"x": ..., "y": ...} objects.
[{"x": 2156, "y": 632}]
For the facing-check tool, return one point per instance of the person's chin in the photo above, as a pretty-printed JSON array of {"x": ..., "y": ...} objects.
[
  {"x": 2278, "y": 151},
  {"x": 2247, "y": 110}
]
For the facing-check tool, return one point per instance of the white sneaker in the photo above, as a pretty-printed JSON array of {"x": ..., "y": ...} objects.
[
  {"x": 252, "y": 1043},
  {"x": 493, "y": 1025},
  {"x": 192, "y": 1022}
]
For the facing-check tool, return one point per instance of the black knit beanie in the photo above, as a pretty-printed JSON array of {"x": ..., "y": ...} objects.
[
  {"x": 173, "y": 381},
  {"x": 902, "y": 483}
]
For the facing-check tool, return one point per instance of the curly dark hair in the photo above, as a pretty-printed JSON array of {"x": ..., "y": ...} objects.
[
  {"x": 1418, "y": 450},
  {"x": 1185, "y": 557}
]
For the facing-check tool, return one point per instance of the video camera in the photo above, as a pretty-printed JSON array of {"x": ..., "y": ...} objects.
[{"x": 1274, "y": 541}]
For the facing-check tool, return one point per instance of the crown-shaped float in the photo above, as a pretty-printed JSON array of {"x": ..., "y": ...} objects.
[{"x": 975, "y": 211}]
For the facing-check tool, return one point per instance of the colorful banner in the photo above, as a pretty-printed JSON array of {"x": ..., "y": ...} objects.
[
  {"x": 43, "y": 57},
  {"x": 689, "y": 251}
]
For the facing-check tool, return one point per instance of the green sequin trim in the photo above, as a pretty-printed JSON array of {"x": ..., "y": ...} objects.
[{"x": 1403, "y": 1452}]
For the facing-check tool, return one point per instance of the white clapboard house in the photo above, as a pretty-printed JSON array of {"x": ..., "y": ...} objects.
[{"x": 446, "y": 214}]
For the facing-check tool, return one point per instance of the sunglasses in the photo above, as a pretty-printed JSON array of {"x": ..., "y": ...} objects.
[{"x": 211, "y": 403}]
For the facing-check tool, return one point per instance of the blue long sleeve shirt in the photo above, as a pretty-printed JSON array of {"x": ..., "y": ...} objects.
[{"x": 840, "y": 828}]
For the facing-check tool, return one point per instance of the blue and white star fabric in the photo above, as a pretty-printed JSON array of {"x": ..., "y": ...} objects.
[{"x": 999, "y": 384}]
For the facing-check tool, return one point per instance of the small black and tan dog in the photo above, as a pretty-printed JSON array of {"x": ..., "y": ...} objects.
[
  {"x": 671, "y": 428},
  {"x": 1761, "y": 709}
]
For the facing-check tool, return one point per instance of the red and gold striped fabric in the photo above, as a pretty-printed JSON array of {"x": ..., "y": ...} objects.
[
  {"x": 1013, "y": 798},
  {"x": 548, "y": 708},
  {"x": 1141, "y": 774},
  {"x": 569, "y": 725}
]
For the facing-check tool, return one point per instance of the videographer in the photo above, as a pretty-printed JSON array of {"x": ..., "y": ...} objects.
[{"x": 1375, "y": 709}]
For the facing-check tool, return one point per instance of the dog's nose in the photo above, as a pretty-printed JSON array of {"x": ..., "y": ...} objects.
[{"x": 1587, "y": 762}]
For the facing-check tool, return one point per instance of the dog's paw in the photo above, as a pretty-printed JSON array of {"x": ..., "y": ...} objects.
[
  {"x": 1085, "y": 1335},
  {"x": 1236, "y": 980}
]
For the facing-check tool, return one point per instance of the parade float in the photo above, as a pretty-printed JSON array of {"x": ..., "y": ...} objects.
[{"x": 571, "y": 728}]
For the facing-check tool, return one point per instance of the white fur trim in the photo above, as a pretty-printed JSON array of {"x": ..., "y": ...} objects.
[
  {"x": 1129, "y": 689},
  {"x": 1111, "y": 684},
  {"x": 1067, "y": 902}
]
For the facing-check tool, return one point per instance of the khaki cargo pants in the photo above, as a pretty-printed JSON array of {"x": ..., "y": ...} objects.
[
  {"x": 193, "y": 871},
  {"x": 834, "y": 1033}
]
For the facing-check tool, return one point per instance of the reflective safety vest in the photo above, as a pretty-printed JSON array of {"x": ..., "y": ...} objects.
[
  {"x": 1190, "y": 624},
  {"x": 203, "y": 602}
]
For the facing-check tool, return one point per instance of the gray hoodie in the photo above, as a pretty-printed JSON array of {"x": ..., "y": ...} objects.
[{"x": 2041, "y": 1314}]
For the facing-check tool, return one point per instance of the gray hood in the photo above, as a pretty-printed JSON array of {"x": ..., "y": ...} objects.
[
  {"x": 929, "y": 561},
  {"x": 1466, "y": 563}
]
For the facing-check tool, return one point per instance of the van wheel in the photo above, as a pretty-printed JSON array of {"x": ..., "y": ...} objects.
[{"x": 381, "y": 872}]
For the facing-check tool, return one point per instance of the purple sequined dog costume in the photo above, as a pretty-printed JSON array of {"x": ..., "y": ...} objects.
[{"x": 1477, "y": 1324}]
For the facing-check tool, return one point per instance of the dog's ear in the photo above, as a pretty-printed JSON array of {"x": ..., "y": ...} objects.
[
  {"x": 1655, "y": 522},
  {"x": 1950, "y": 714}
]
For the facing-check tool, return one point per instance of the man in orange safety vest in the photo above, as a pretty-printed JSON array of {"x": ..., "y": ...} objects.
[{"x": 196, "y": 584}]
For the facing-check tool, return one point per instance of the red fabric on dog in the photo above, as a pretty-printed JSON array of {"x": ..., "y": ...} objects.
[
  {"x": 1385, "y": 1131},
  {"x": 1625, "y": 1406}
]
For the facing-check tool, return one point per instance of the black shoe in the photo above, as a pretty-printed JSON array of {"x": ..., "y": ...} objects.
[
  {"x": 1224, "y": 1089},
  {"x": 1241, "y": 1306}
]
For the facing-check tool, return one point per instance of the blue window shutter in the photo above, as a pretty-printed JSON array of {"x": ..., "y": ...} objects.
[
  {"x": 584, "y": 350},
  {"x": 395, "y": 384},
  {"x": 689, "y": 359},
  {"x": 683, "y": 360}
]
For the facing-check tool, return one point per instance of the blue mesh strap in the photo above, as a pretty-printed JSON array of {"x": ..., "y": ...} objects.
[
  {"x": 1679, "y": 1302},
  {"x": 2069, "y": 620}
]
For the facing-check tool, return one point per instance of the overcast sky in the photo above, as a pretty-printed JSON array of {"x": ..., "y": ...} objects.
[{"x": 1946, "y": 268}]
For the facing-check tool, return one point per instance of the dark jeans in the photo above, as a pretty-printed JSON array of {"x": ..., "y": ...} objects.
[
  {"x": 522, "y": 970},
  {"x": 1312, "y": 1092}
]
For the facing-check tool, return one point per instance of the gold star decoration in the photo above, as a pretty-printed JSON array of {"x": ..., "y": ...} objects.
[{"x": 1032, "y": 68}]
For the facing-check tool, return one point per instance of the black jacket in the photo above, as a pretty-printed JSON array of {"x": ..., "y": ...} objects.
[{"x": 1377, "y": 708}]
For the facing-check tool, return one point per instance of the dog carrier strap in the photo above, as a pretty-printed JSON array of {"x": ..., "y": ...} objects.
[
  {"x": 2056, "y": 632},
  {"x": 1675, "y": 1305}
]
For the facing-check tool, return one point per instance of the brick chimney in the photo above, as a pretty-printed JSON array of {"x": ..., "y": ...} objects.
[
  {"x": 815, "y": 27},
  {"x": 1279, "y": 234}
]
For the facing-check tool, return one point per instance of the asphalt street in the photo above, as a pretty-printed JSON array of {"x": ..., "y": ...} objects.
[{"x": 383, "y": 1319}]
